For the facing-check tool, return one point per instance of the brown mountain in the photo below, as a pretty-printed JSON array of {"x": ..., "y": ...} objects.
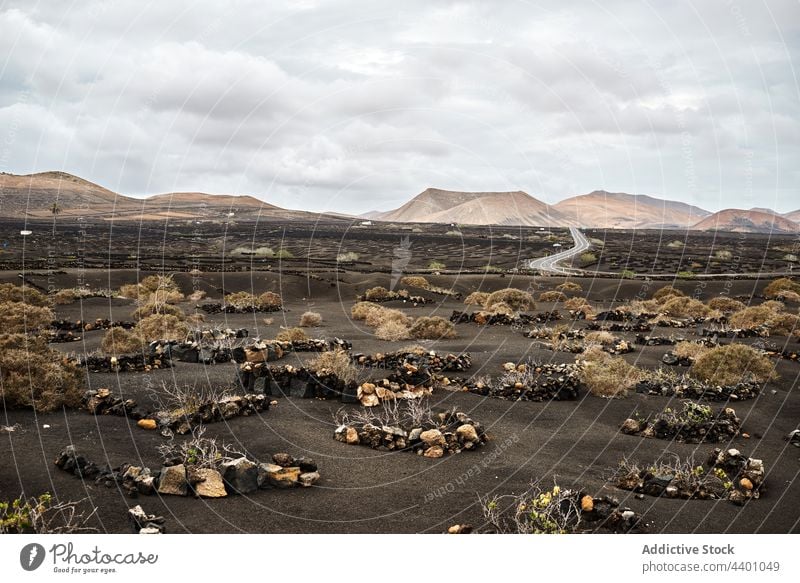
[
  {"x": 743, "y": 221},
  {"x": 434, "y": 205},
  {"x": 617, "y": 210},
  {"x": 33, "y": 196},
  {"x": 793, "y": 216}
]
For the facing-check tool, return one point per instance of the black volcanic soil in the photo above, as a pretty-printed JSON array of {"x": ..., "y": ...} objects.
[{"x": 363, "y": 490}]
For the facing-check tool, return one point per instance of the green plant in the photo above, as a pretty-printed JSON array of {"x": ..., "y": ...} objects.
[
  {"x": 627, "y": 274},
  {"x": 436, "y": 265},
  {"x": 41, "y": 515},
  {"x": 685, "y": 275},
  {"x": 588, "y": 258}
]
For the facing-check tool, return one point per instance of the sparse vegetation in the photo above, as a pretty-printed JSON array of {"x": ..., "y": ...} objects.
[
  {"x": 517, "y": 299},
  {"x": 310, "y": 319},
  {"x": 162, "y": 327},
  {"x": 569, "y": 286},
  {"x": 436, "y": 265},
  {"x": 347, "y": 257},
  {"x": 725, "y": 304},
  {"x": 661, "y": 295},
  {"x": 777, "y": 287},
  {"x": 477, "y": 298},
  {"x": 415, "y": 281},
  {"x": 588, "y": 258},
  {"x": 690, "y": 350},
  {"x": 684, "y": 307},
  {"x": 43, "y": 515},
  {"x": 605, "y": 375},
  {"x": 377, "y": 294},
  {"x": 535, "y": 511},
  {"x": 15, "y": 293},
  {"x": 120, "y": 341},
  {"x": 732, "y": 364},
  {"x": 21, "y": 317},
  {"x": 432, "y": 328},
  {"x": 337, "y": 362},
  {"x": 393, "y": 331},
  {"x": 291, "y": 335},
  {"x": 552, "y": 296}
]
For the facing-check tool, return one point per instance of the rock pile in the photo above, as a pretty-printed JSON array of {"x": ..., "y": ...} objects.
[
  {"x": 390, "y": 296},
  {"x": 726, "y": 475},
  {"x": 83, "y": 326},
  {"x": 685, "y": 387},
  {"x": 694, "y": 423},
  {"x": 635, "y": 326},
  {"x": 103, "y": 402},
  {"x": 183, "y": 420},
  {"x": 439, "y": 435},
  {"x": 143, "y": 523},
  {"x": 420, "y": 359},
  {"x": 535, "y": 382},
  {"x": 181, "y": 478},
  {"x": 124, "y": 363},
  {"x": 218, "y": 308},
  {"x": 501, "y": 319}
]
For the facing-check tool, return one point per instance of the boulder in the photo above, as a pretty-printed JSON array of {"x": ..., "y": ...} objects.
[
  {"x": 209, "y": 483},
  {"x": 147, "y": 423},
  {"x": 435, "y": 451},
  {"x": 432, "y": 437},
  {"x": 630, "y": 427},
  {"x": 283, "y": 460},
  {"x": 308, "y": 479},
  {"x": 240, "y": 476},
  {"x": 467, "y": 434},
  {"x": 172, "y": 481}
]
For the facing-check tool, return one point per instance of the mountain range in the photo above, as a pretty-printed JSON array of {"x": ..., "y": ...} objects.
[{"x": 34, "y": 196}]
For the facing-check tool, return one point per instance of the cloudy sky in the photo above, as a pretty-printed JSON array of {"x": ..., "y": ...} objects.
[{"x": 353, "y": 106}]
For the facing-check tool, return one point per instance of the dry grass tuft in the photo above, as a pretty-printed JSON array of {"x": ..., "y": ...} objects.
[
  {"x": 599, "y": 337},
  {"x": 15, "y": 293},
  {"x": 777, "y": 287},
  {"x": 416, "y": 281},
  {"x": 569, "y": 286},
  {"x": 663, "y": 294},
  {"x": 382, "y": 315},
  {"x": 432, "y": 328},
  {"x": 725, "y": 304},
  {"x": 732, "y": 364},
  {"x": 361, "y": 310},
  {"x": 393, "y": 331},
  {"x": 690, "y": 350},
  {"x": 161, "y": 327},
  {"x": 291, "y": 335},
  {"x": 579, "y": 304},
  {"x": 337, "y": 362},
  {"x": 270, "y": 300},
  {"x": 196, "y": 295},
  {"x": 518, "y": 300},
  {"x": 377, "y": 294},
  {"x": 684, "y": 307},
  {"x": 552, "y": 296},
  {"x": 310, "y": 319},
  {"x": 120, "y": 341},
  {"x": 153, "y": 308},
  {"x": 242, "y": 300},
  {"x": 64, "y": 297},
  {"x": 605, "y": 375},
  {"x": 477, "y": 298},
  {"x": 20, "y": 317}
]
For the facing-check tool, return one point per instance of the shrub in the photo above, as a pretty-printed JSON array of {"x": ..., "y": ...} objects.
[
  {"x": 518, "y": 300},
  {"x": 477, "y": 298},
  {"x": 588, "y": 258},
  {"x": 432, "y": 328},
  {"x": 690, "y": 350},
  {"x": 336, "y": 361},
  {"x": 15, "y": 293},
  {"x": 20, "y": 317},
  {"x": 579, "y": 304},
  {"x": 41, "y": 515},
  {"x": 120, "y": 341},
  {"x": 503, "y": 308},
  {"x": 732, "y": 364},
  {"x": 310, "y": 319},
  {"x": 161, "y": 327},
  {"x": 284, "y": 254},
  {"x": 605, "y": 375},
  {"x": 723, "y": 254},
  {"x": 361, "y": 310},
  {"x": 162, "y": 296},
  {"x": 685, "y": 307},
  {"x": 153, "y": 283},
  {"x": 752, "y": 317},
  {"x": 725, "y": 304},
  {"x": 627, "y": 274},
  {"x": 436, "y": 265},
  {"x": 779, "y": 285},
  {"x": 663, "y": 294},
  {"x": 64, "y": 296},
  {"x": 347, "y": 257},
  {"x": 37, "y": 376},
  {"x": 270, "y": 301},
  {"x": 415, "y": 281},
  {"x": 552, "y": 296},
  {"x": 129, "y": 290},
  {"x": 569, "y": 286},
  {"x": 393, "y": 331},
  {"x": 535, "y": 511},
  {"x": 377, "y": 294},
  {"x": 601, "y": 337},
  {"x": 196, "y": 295},
  {"x": 382, "y": 315},
  {"x": 686, "y": 274},
  {"x": 291, "y": 335},
  {"x": 153, "y": 308},
  {"x": 242, "y": 300}
]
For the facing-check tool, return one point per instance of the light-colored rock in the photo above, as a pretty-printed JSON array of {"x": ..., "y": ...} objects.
[
  {"x": 467, "y": 433},
  {"x": 210, "y": 485},
  {"x": 240, "y": 475},
  {"x": 432, "y": 437},
  {"x": 587, "y": 503},
  {"x": 435, "y": 451},
  {"x": 172, "y": 481},
  {"x": 370, "y": 400},
  {"x": 746, "y": 484},
  {"x": 308, "y": 479},
  {"x": 630, "y": 426},
  {"x": 150, "y": 530},
  {"x": 147, "y": 423}
]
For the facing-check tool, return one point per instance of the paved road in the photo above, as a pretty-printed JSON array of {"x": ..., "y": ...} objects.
[{"x": 550, "y": 264}]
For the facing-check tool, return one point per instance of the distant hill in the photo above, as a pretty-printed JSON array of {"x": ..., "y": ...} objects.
[
  {"x": 793, "y": 216},
  {"x": 435, "y": 205},
  {"x": 33, "y": 196},
  {"x": 744, "y": 221},
  {"x": 617, "y": 210}
]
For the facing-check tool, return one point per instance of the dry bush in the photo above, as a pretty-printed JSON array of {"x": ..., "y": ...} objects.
[
  {"x": 162, "y": 296},
  {"x": 663, "y": 294},
  {"x": 15, "y": 293},
  {"x": 383, "y": 315},
  {"x": 377, "y": 294},
  {"x": 601, "y": 337},
  {"x": 778, "y": 286},
  {"x": 153, "y": 308},
  {"x": 291, "y": 335},
  {"x": 336, "y": 361},
  {"x": 129, "y": 290},
  {"x": 552, "y": 296},
  {"x": 605, "y": 375},
  {"x": 790, "y": 296},
  {"x": 310, "y": 319},
  {"x": 516, "y": 298},
  {"x": 725, "y": 304},
  {"x": 361, "y": 310},
  {"x": 21, "y": 317},
  {"x": 732, "y": 364},
  {"x": 579, "y": 304},
  {"x": 152, "y": 283},
  {"x": 195, "y": 319},
  {"x": 504, "y": 309},
  {"x": 64, "y": 296},
  {"x": 432, "y": 328},
  {"x": 33, "y": 375},
  {"x": 477, "y": 298},
  {"x": 784, "y": 324},
  {"x": 196, "y": 295},
  {"x": 120, "y": 341},
  {"x": 242, "y": 300},
  {"x": 416, "y": 281},
  {"x": 638, "y": 307},
  {"x": 270, "y": 300},
  {"x": 393, "y": 331},
  {"x": 690, "y": 350},
  {"x": 752, "y": 317},
  {"x": 774, "y": 305},
  {"x": 569, "y": 286},
  {"x": 161, "y": 327},
  {"x": 684, "y": 307}
]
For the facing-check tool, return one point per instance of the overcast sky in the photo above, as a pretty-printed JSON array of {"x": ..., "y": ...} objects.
[{"x": 354, "y": 106}]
